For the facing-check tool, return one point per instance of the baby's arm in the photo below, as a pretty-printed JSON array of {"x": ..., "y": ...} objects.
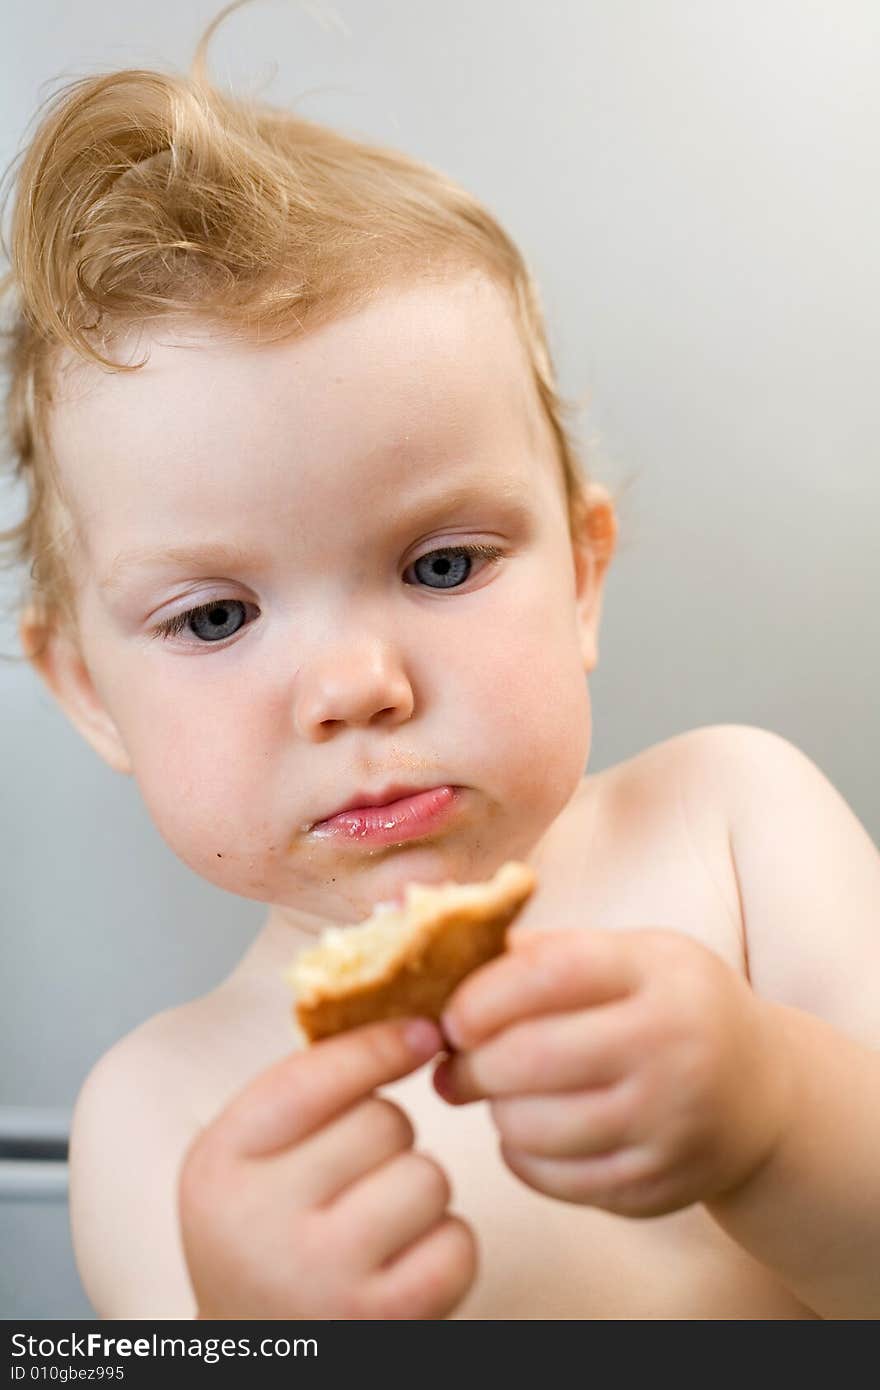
[
  {"x": 809, "y": 880},
  {"x": 127, "y": 1138}
]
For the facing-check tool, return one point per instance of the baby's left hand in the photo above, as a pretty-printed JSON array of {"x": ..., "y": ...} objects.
[{"x": 629, "y": 1070}]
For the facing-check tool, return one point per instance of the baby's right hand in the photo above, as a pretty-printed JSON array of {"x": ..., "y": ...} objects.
[{"x": 305, "y": 1199}]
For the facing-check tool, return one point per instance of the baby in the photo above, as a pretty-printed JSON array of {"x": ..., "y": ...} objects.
[{"x": 307, "y": 533}]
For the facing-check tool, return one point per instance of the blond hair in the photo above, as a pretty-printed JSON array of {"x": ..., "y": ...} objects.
[{"x": 146, "y": 196}]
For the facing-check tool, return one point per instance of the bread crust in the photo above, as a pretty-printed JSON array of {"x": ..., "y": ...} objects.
[{"x": 447, "y": 942}]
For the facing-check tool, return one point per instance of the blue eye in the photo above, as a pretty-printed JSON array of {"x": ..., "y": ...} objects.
[
  {"x": 212, "y": 622},
  {"x": 451, "y": 565}
]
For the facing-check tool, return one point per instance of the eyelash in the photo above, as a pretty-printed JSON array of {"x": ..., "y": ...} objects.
[{"x": 173, "y": 626}]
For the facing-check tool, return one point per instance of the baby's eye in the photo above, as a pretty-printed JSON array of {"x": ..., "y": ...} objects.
[
  {"x": 451, "y": 565},
  {"x": 211, "y": 622}
]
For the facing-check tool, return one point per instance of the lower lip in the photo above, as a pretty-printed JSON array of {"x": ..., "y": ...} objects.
[{"x": 388, "y": 825}]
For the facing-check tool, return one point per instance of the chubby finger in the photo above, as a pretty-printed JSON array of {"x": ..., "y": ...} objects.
[
  {"x": 572, "y": 1125},
  {"x": 303, "y": 1091},
  {"x": 389, "y": 1208},
  {"x": 603, "y": 1180},
  {"x": 327, "y": 1161},
  {"x": 557, "y": 1052},
  {"x": 541, "y": 972},
  {"x": 430, "y": 1278}
]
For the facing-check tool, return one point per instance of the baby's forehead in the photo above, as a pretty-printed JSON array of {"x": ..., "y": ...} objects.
[
  {"x": 424, "y": 346},
  {"x": 421, "y": 376}
]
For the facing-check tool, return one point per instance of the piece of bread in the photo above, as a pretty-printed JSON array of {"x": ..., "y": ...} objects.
[{"x": 406, "y": 961}]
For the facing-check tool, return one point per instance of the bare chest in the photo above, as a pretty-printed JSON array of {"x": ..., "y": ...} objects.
[{"x": 540, "y": 1258}]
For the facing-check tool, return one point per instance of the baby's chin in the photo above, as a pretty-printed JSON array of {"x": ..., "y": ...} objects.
[{"x": 353, "y": 896}]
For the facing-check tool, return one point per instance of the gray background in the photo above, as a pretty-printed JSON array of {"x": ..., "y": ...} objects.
[{"x": 695, "y": 184}]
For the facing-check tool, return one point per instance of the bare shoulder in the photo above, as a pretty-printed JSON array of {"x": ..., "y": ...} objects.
[
  {"x": 132, "y": 1123},
  {"x": 807, "y": 870},
  {"x": 139, "y": 1110},
  {"x": 665, "y": 810}
]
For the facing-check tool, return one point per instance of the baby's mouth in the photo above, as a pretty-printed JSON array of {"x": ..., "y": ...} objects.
[{"x": 410, "y": 817}]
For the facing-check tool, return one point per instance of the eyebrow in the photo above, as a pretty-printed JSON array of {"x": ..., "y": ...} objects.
[
  {"x": 183, "y": 555},
  {"x": 512, "y": 496}
]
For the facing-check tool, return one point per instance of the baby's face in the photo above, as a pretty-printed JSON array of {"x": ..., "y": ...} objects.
[{"x": 345, "y": 643}]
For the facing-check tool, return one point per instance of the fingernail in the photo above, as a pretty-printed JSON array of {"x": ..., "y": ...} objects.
[
  {"x": 441, "y": 1081},
  {"x": 422, "y": 1037}
]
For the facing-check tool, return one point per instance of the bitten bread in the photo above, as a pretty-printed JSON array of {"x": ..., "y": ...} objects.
[{"x": 406, "y": 960}]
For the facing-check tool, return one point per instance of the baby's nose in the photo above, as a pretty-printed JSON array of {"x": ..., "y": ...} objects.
[{"x": 356, "y": 684}]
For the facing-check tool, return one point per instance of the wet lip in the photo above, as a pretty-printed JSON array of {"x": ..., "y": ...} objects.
[
  {"x": 402, "y": 818},
  {"x": 360, "y": 801}
]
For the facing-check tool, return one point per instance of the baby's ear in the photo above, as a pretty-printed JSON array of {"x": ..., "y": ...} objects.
[
  {"x": 594, "y": 533},
  {"x": 55, "y": 656}
]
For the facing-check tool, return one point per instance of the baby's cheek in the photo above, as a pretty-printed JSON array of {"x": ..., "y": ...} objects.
[
  {"x": 202, "y": 798},
  {"x": 543, "y": 706}
]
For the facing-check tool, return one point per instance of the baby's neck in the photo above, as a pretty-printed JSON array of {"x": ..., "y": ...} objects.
[{"x": 284, "y": 933}]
